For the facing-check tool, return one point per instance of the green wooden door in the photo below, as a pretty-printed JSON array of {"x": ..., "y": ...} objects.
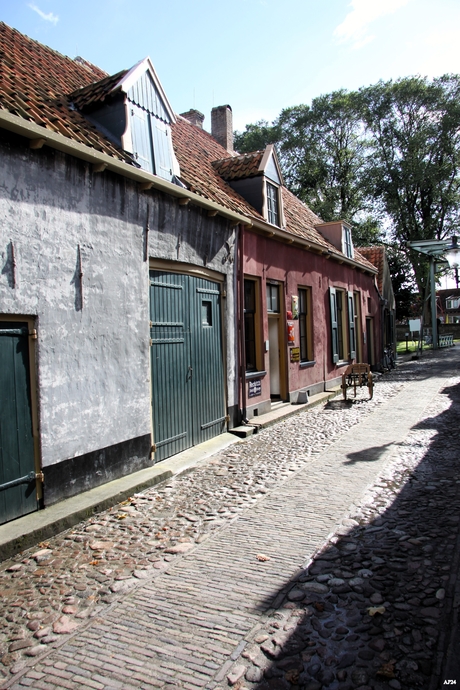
[
  {"x": 18, "y": 494},
  {"x": 186, "y": 361}
]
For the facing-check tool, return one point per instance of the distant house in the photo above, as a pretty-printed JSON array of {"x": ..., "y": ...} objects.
[
  {"x": 448, "y": 302},
  {"x": 156, "y": 288},
  {"x": 377, "y": 256}
]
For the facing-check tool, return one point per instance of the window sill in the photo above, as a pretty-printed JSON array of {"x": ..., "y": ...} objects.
[
  {"x": 306, "y": 365},
  {"x": 255, "y": 375},
  {"x": 342, "y": 364}
]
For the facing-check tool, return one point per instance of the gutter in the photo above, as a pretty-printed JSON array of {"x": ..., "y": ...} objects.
[
  {"x": 291, "y": 238},
  {"x": 102, "y": 161}
]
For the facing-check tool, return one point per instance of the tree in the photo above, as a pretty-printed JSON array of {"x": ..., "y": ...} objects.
[
  {"x": 402, "y": 280},
  {"x": 323, "y": 154},
  {"x": 255, "y": 137},
  {"x": 413, "y": 158}
]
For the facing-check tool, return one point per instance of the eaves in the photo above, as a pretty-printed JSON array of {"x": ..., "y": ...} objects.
[
  {"x": 102, "y": 161},
  {"x": 287, "y": 237}
]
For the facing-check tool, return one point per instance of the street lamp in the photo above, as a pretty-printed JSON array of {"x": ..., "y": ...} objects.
[{"x": 438, "y": 249}]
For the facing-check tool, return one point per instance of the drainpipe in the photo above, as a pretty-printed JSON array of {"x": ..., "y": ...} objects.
[
  {"x": 434, "y": 323},
  {"x": 241, "y": 325}
]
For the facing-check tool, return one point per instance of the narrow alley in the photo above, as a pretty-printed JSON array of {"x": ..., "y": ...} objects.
[{"x": 320, "y": 553}]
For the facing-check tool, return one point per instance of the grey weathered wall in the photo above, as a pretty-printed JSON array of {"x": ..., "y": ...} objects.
[{"x": 93, "y": 343}]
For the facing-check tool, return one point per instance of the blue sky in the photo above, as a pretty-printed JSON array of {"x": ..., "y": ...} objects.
[{"x": 257, "y": 55}]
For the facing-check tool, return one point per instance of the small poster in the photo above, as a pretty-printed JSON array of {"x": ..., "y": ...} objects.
[
  {"x": 291, "y": 333},
  {"x": 295, "y": 306},
  {"x": 295, "y": 354},
  {"x": 255, "y": 388}
]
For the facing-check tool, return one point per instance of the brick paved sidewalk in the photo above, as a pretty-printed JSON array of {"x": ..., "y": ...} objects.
[{"x": 188, "y": 626}]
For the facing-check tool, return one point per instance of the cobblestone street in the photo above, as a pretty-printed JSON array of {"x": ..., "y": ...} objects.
[{"x": 320, "y": 553}]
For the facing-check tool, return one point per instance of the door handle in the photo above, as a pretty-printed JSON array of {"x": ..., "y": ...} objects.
[{"x": 189, "y": 373}]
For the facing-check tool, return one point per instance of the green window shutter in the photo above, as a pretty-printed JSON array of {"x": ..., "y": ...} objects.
[
  {"x": 351, "y": 325},
  {"x": 334, "y": 325}
]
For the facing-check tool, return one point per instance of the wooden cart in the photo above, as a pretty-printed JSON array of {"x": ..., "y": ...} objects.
[{"x": 357, "y": 375}]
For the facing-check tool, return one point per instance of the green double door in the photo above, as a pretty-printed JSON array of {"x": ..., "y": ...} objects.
[
  {"x": 187, "y": 372},
  {"x": 18, "y": 485}
]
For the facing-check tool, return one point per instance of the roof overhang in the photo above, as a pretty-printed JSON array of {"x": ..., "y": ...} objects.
[
  {"x": 34, "y": 132},
  {"x": 297, "y": 240}
]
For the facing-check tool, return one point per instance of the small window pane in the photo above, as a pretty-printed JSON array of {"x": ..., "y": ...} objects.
[
  {"x": 272, "y": 204},
  {"x": 206, "y": 313},
  {"x": 273, "y": 303}
]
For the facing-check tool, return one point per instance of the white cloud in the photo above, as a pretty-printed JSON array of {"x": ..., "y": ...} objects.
[
  {"x": 50, "y": 17},
  {"x": 364, "y": 12}
]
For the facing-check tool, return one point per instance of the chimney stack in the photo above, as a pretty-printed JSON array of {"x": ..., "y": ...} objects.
[
  {"x": 222, "y": 126},
  {"x": 194, "y": 117}
]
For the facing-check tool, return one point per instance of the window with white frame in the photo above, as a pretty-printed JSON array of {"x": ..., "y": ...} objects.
[
  {"x": 273, "y": 211},
  {"x": 347, "y": 242},
  {"x": 452, "y": 303}
]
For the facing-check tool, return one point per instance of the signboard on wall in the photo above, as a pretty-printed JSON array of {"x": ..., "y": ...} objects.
[
  {"x": 254, "y": 388},
  {"x": 295, "y": 354}
]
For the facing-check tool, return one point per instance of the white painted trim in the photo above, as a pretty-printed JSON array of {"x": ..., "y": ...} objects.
[{"x": 133, "y": 76}]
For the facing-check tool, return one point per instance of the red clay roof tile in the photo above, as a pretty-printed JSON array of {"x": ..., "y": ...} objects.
[{"x": 45, "y": 87}]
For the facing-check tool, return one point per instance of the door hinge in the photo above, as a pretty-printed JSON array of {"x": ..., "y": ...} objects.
[
  {"x": 153, "y": 448},
  {"x": 227, "y": 418},
  {"x": 33, "y": 333},
  {"x": 150, "y": 342}
]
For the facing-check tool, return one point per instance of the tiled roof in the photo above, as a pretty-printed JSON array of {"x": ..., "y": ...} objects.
[
  {"x": 196, "y": 150},
  {"x": 34, "y": 83},
  {"x": 45, "y": 87},
  {"x": 376, "y": 256},
  {"x": 239, "y": 167},
  {"x": 96, "y": 92}
]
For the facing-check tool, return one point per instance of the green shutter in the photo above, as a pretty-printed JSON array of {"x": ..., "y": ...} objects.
[
  {"x": 351, "y": 326},
  {"x": 334, "y": 325}
]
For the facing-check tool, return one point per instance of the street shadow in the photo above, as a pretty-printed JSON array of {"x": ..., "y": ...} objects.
[
  {"x": 367, "y": 455},
  {"x": 373, "y": 608}
]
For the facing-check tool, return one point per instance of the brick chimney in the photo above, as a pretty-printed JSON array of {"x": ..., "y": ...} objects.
[
  {"x": 222, "y": 126},
  {"x": 194, "y": 117}
]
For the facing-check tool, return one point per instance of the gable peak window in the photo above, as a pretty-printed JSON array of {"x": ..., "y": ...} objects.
[{"x": 273, "y": 211}]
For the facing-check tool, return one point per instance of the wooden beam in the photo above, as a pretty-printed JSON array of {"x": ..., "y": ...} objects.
[
  {"x": 184, "y": 202},
  {"x": 37, "y": 143},
  {"x": 99, "y": 167},
  {"x": 143, "y": 186},
  {"x": 212, "y": 213}
]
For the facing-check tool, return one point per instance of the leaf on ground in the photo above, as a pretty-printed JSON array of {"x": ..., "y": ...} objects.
[
  {"x": 44, "y": 544},
  {"x": 121, "y": 516},
  {"x": 262, "y": 557},
  {"x": 94, "y": 562},
  {"x": 387, "y": 670},
  {"x": 373, "y": 610}
]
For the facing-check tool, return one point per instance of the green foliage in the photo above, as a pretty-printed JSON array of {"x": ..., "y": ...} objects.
[
  {"x": 413, "y": 158},
  {"x": 323, "y": 155},
  {"x": 388, "y": 152},
  {"x": 255, "y": 137},
  {"x": 403, "y": 282}
]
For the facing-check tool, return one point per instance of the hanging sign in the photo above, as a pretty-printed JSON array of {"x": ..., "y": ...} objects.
[
  {"x": 291, "y": 333},
  {"x": 295, "y": 306}
]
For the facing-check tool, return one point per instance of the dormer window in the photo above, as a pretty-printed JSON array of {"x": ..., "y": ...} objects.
[
  {"x": 347, "y": 242},
  {"x": 273, "y": 215}
]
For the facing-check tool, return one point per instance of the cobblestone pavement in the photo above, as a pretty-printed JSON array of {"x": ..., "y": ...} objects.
[{"x": 271, "y": 565}]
